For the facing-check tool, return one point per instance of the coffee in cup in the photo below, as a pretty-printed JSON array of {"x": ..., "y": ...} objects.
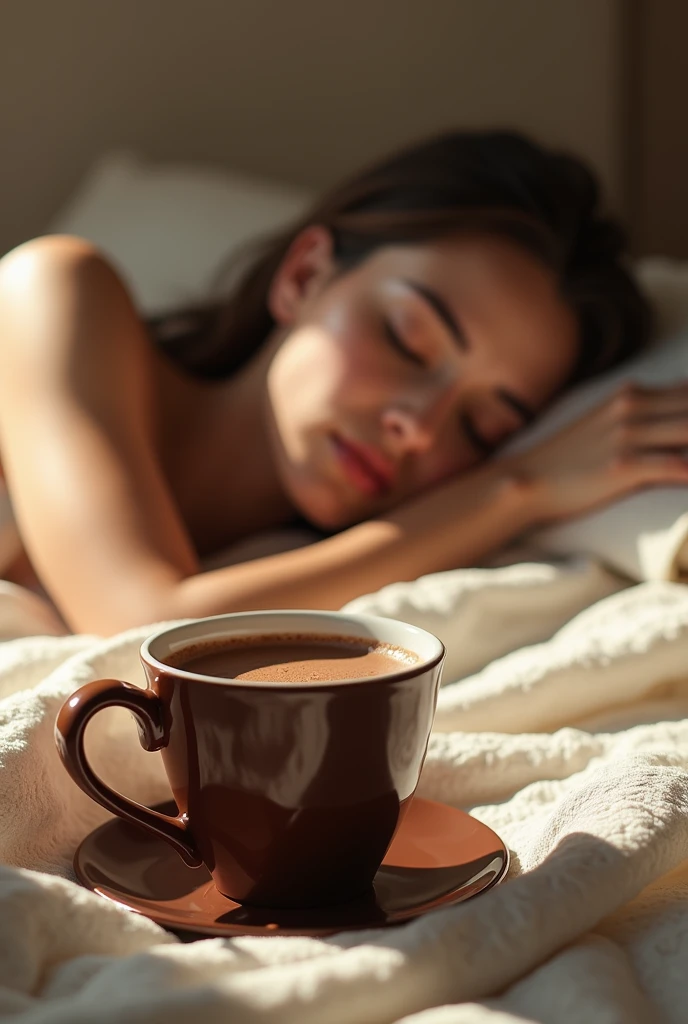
[
  {"x": 292, "y": 658},
  {"x": 292, "y": 741}
]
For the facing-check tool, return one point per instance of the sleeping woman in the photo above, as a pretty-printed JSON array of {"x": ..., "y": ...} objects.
[{"x": 361, "y": 377}]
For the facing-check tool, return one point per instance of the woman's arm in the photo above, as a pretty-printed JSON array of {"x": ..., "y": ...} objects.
[
  {"x": 94, "y": 509},
  {"x": 95, "y": 514},
  {"x": 455, "y": 525}
]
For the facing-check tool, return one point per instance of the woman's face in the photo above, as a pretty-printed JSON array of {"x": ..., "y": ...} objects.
[{"x": 407, "y": 370}]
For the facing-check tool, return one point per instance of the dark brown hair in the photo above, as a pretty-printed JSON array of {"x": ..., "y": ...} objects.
[{"x": 493, "y": 181}]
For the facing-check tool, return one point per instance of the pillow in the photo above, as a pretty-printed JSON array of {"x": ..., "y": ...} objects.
[
  {"x": 169, "y": 227},
  {"x": 644, "y": 536}
]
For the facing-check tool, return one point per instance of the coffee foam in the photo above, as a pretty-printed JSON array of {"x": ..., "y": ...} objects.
[{"x": 349, "y": 657}]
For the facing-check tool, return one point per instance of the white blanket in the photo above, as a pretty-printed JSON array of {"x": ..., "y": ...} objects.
[{"x": 572, "y": 742}]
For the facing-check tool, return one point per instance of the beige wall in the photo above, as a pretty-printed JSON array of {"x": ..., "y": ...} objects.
[{"x": 303, "y": 89}]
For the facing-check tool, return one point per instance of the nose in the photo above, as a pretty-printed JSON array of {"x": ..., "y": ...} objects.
[
  {"x": 412, "y": 430},
  {"x": 406, "y": 432}
]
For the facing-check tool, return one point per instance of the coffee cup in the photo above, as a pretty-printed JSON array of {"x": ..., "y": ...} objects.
[{"x": 292, "y": 776}]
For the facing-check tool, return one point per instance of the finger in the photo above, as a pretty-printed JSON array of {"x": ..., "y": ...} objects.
[
  {"x": 652, "y": 469},
  {"x": 669, "y": 434},
  {"x": 634, "y": 402},
  {"x": 668, "y": 403}
]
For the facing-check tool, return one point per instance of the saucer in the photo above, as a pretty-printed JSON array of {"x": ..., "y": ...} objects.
[{"x": 439, "y": 856}]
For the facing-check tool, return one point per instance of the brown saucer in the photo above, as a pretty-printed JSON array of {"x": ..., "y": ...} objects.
[{"x": 439, "y": 856}]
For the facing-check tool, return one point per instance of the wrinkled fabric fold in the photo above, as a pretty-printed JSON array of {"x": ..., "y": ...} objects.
[{"x": 567, "y": 734}]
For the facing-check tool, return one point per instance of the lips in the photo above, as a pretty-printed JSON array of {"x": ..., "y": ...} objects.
[{"x": 366, "y": 467}]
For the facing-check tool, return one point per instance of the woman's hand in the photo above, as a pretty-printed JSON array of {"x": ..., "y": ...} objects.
[{"x": 636, "y": 439}]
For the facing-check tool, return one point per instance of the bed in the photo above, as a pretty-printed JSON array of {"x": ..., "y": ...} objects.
[{"x": 562, "y": 724}]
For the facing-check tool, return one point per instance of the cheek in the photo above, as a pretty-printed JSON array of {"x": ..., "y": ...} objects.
[
  {"x": 325, "y": 368},
  {"x": 357, "y": 356},
  {"x": 306, "y": 372}
]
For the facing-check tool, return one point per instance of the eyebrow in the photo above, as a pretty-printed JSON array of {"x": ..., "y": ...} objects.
[
  {"x": 440, "y": 307},
  {"x": 437, "y": 303}
]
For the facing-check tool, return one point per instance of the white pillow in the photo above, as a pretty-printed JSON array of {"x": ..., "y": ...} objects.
[
  {"x": 169, "y": 227},
  {"x": 645, "y": 535}
]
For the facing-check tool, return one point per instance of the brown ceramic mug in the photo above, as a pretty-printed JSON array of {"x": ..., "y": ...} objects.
[{"x": 290, "y": 793}]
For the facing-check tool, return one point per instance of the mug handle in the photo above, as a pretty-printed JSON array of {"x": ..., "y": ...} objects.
[{"x": 149, "y": 712}]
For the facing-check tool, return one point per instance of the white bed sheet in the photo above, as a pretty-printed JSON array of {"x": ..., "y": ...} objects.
[{"x": 574, "y": 747}]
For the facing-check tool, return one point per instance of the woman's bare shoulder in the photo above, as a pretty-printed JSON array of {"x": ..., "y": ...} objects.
[
  {"x": 67, "y": 299},
  {"x": 69, "y": 326},
  {"x": 36, "y": 260}
]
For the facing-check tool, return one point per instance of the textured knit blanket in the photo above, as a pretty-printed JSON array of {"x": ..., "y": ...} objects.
[{"x": 562, "y": 724}]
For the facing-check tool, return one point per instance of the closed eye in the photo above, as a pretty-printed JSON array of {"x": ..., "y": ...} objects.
[
  {"x": 398, "y": 343},
  {"x": 480, "y": 443}
]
